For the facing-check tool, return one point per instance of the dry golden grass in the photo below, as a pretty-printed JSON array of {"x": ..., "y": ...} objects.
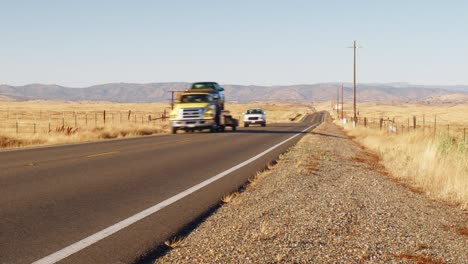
[
  {"x": 174, "y": 242},
  {"x": 454, "y": 114},
  {"x": 266, "y": 231},
  {"x": 229, "y": 197},
  {"x": 436, "y": 164},
  {"x": 50, "y": 122},
  {"x": 40, "y": 122}
]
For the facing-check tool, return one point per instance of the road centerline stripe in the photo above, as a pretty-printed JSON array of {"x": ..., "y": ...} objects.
[
  {"x": 92, "y": 239},
  {"x": 102, "y": 154}
]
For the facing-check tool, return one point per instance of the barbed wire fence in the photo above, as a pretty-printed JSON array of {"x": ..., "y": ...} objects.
[
  {"x": 21, "y": 122},
  {"x": 428, "y": 125}
]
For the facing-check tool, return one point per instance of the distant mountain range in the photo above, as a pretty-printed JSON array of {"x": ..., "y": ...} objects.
[{"x": 160, "y": 92}]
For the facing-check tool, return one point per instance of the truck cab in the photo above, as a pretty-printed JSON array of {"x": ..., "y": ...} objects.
[
  {"x": 197, "y": 110},
  {"x": 193, "y": 110}
]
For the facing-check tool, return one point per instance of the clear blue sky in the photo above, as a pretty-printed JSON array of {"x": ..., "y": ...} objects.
[{"x": 81, "y": 43}]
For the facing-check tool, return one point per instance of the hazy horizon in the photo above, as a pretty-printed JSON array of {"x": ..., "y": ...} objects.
[{"x": 415, "y": 85}]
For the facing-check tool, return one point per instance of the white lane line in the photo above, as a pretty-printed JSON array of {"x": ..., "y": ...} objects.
[{"x": 86, "y": 242}]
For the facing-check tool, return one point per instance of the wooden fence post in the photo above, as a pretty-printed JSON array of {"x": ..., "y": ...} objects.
[
  {"x": 104, "y": 118},
  {"x": 414, "y": 123},
  {"x": 386, "y": 127},
  {"x": 95, "y": 119},
  {"x": 381, "y": 123},
  {"x": 424, "y": 123},
  {"x": 129, "y": 112}
]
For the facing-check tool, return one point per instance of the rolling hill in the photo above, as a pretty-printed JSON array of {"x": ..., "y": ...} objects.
[{"x": 159, "y": 92}]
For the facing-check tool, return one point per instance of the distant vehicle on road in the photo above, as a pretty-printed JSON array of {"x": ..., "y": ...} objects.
[{"x": 254, "y": 116}]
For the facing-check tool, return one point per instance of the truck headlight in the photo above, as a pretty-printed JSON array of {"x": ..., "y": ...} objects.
[
  {"x": 208, "y": 113},
  {"x": 174, "y": 114}
]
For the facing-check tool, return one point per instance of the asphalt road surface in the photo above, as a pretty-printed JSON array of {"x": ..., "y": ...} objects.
[{"x": 85, "y": 203}]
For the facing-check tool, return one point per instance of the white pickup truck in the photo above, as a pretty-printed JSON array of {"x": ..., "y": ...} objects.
[{"x": 254, "y": 116}]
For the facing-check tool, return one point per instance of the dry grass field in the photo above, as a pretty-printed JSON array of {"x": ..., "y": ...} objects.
[
  {"x": 50, "y": 122},
  {"x": 431, "y": 156}
]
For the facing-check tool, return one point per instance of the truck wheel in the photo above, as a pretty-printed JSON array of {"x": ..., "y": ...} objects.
[
  {"x": 174, "y": 130},
  {"x": 234, "y": 128},
  {"x": 222, "y": 128},
  {"x": 246, "y": 124},
  {"x": 213, "y": 129},
  {"x": 263, "y": 124}
]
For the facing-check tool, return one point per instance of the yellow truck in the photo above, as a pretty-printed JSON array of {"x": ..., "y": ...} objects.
[{"x": 197, "y": 109}]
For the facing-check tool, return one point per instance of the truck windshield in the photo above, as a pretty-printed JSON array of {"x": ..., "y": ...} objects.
[
  {"x": 196, "y": 98},
  {"x": 254, "y": 111}
]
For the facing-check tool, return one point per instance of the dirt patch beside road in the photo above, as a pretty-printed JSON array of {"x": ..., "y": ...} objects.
[{"x": 328, "y": 200}]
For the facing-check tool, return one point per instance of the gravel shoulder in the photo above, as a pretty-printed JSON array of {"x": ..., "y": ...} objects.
[{"x": 327, "y": 200}]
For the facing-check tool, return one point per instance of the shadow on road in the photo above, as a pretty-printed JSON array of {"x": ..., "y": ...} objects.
[
  {"x": 326, "y": 135},
  {"x": 266, "y": 131}
]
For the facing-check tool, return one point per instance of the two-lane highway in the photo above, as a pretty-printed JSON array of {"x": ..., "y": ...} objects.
[{"x": 119, "y": 198}]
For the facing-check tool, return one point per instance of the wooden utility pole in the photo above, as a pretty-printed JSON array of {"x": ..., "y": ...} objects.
[
  {"x": 172, "y": 98},
  {"x": 354, "y": 81},
  {"x": 337, "y": 101},
  {"x": 342, "y": 102},
  {"x": 354, "y": 47}
]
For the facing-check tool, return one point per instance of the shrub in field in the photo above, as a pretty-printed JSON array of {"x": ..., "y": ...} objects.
[{"x": 13, "y": 142}]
